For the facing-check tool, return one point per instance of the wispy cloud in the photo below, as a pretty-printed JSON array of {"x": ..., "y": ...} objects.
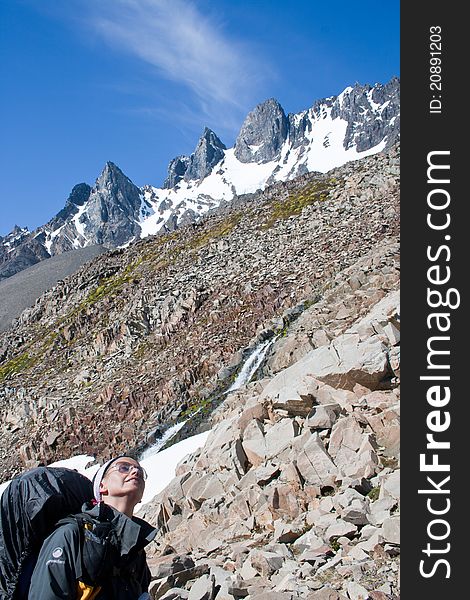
[{"x": 186, "y": 47}]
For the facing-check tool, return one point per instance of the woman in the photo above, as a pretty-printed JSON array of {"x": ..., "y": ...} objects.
[{"x": 99, "y": 553}]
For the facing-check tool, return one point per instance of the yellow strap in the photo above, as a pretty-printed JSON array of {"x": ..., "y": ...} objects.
[{"x": 87, "y": 592}]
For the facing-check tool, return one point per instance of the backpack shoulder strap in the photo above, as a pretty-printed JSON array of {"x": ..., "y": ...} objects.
[{"x": 96, "y": 547}]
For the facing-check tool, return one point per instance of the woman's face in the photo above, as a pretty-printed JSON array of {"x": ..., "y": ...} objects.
[{"x": 125, "y": 477}]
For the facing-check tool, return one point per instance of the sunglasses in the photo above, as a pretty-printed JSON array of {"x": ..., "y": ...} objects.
[{"x": 125, "y": 467}]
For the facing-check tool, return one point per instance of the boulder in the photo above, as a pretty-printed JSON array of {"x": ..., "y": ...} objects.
[
  {"x": 266, "y": 563},
  {"x": 345, "y": 362},
  {"x": 391, "y": 530},
  {"x": 357, "y": 591},
  {"x": 292, "y": 391},
  {"x": 280, "y": 436},
  {"x": 386, "y": 426},
  {"x": 391, "y": 485},
  {"x": 254, "y": 443},
  {"x": 313, "y": 462},
  {"x": 203, "y": 588},
  {"x": 346, "y": 434},
  {"x": 339, "y": 528},
  {"x": 323, "y": 416}
]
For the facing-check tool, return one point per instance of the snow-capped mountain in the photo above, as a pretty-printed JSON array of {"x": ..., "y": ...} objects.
[{"x": 270, "y": 147}]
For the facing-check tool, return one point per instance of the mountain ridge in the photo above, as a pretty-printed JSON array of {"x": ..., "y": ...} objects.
[{"x": 270, "y": 147}]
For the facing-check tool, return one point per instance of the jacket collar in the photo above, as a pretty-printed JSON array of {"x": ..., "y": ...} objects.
[{"x": 133, "y": 533}]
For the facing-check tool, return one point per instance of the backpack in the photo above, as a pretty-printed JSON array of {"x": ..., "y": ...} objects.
[{"x": 30, "y": 508}]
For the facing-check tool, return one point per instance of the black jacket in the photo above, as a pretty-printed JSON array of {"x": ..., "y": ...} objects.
[{"x": 64, "y": 569}]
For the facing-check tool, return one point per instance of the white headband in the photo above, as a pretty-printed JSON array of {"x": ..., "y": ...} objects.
[{"x": 99, "y": 476}]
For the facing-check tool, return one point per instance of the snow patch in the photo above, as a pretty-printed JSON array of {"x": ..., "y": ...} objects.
[
  {"x": 79, "y": 227},
  {"x": 343, "y": 95},
  {"x": 50, "y": 236}
]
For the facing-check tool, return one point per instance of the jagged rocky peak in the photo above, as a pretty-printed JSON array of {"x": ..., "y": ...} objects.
[
  {"x": 78, "y": 196},
  {"x": 112, "y": 209},
  {"x": 111, "y": 175},
  {"x": 371, "y": 113},
  {"x": 299, "y": 126},
  {"x": 388, "y": 91},
  {"x": 17, "y": 232},
  {"x": 113, "y": 187},
  {"x": 15, "y": 237},
  {"x": 263, "y": 132},
  {"x": 115, "y": 212},
  {"x": 176, "y": 170},
  {"x": 209, "y": 151}
]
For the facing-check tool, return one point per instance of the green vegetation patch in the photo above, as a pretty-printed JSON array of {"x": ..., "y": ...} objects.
[
  {"x": 108, "y": 285},
  {"x": 25, "y": 360},
  {"x": 169, "y": 247},
  {"x": 202, "y": 404},
  {"x": 16, "y": 365},
  {"x": 335, "y": 545},
  {"x": 374, "y": 493},
  {"x": 297, "y": 201},
  {"x": 218, "y": 231}
]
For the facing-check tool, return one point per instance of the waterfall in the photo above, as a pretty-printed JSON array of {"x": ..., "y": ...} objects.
[
  {"x": 249, "y": 368},
  {"x": 251, "y": 365},
  {"x": 154, "y": 448}
]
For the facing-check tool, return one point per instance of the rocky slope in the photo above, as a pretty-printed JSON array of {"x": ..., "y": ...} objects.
[
  {"x": 296, "y": 492},
  {"x": 272, "y": 146},
  {"x": 143, "y": 336}
]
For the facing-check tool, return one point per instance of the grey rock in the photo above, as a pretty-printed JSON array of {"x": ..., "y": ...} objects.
[
  {"x": 285, "y": 533},
  {"x": 357, "y": 591},
  {"x": 21, "y": 249},
  {"x": 112, "y": 209},
  {"x": 254, "y": 443},
  {"x": 391, "y": 530},
  {"x": 27, "y": 251},
  {"x": 323, "y": 416},
  {"x": 340, "y": 528},
  {"x": 209, "y": 151},
  {"x": 203, "y": 588},
  {"x": 326, "y": 593},
  {"x": 172, "y": 564},
  {"x": 379, "y": 511},
  {"x": 176, "y": 170},
  {"x": 352, "y": 507},
  {"x": 313, "y": 461},
  {"x": 272, "y": 595},
  {"x": 262, "y": 134},
  {"x": 280, "y": 436},
  {"x": 237, "y": 587},
  {"x": 391, "y": 485},
  {"x": 78, "y": 197},
  {"x": 266, "y": 563},
  {"x": 365, "y": 129}
]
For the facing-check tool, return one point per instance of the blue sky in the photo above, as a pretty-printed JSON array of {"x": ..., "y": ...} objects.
[{"x": 136, "y": 81}]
